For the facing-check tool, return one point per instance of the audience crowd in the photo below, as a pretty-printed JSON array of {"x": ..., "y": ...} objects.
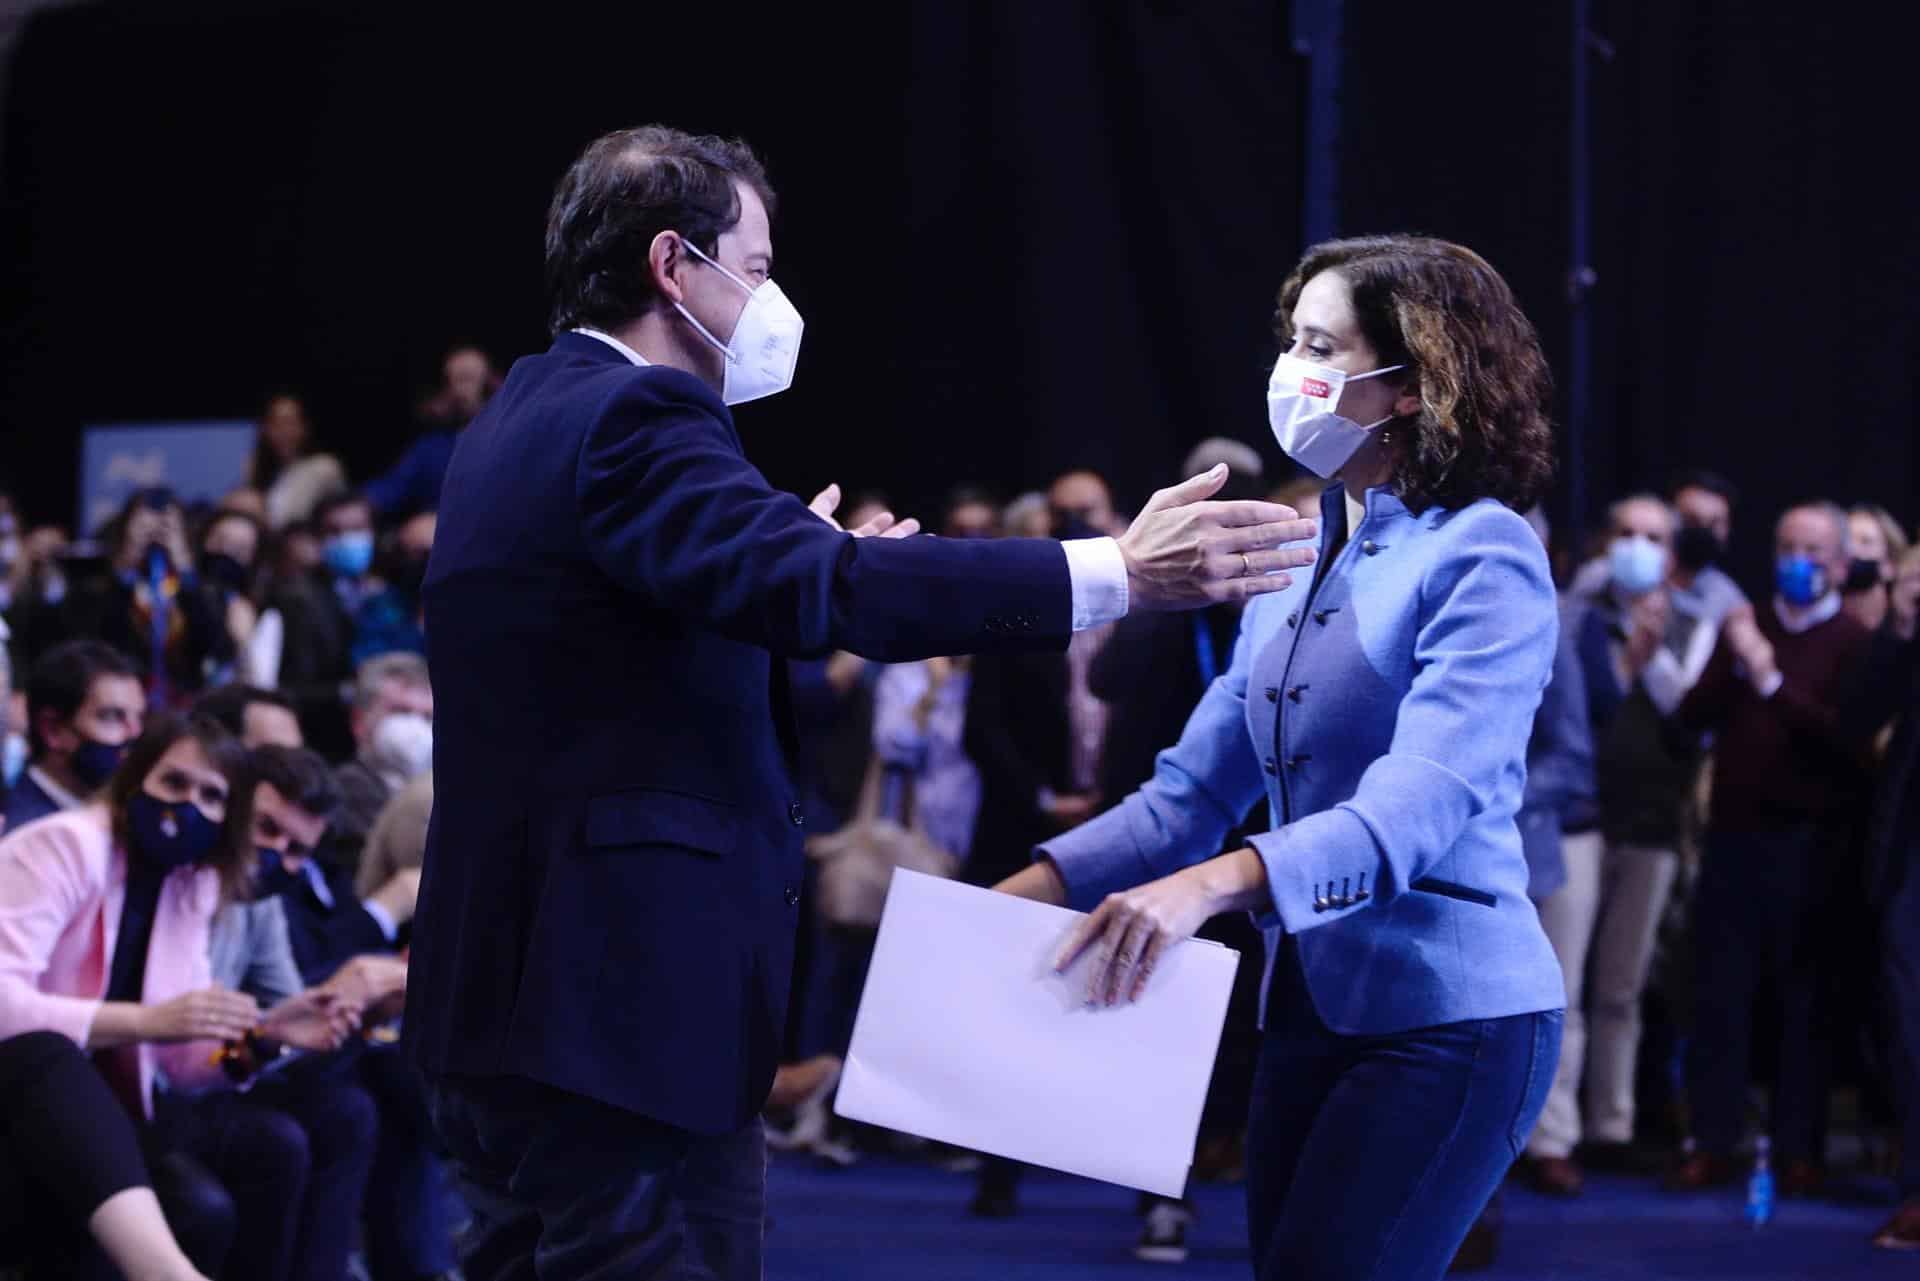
[{"x": 218, "y": 728}]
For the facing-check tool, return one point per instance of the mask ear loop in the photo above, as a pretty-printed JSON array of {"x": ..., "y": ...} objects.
[{"x": 705, "y": 333}]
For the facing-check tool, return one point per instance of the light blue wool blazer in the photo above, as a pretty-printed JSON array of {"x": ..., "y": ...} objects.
[{"x": 1383, "y": 707}]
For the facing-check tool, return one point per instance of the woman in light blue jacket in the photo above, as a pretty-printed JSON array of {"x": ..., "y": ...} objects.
[{"x": 1382, "y": 706}]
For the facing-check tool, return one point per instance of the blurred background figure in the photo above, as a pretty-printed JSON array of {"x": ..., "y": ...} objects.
[
  {"x": 289, "y": 476},
  {"x": 412, "y": 484}
]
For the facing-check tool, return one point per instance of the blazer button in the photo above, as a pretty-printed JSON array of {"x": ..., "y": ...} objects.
[
  {"x": 796, "y": 815},
  {"x": 1295, "y": 762},
  {"x": 793, "y": 897},
  {"x": 1271, "y": 767},
  {"x": 1370, "y": 547},
  {"x": 1320, "y": 617},
  {"x": 1297, "y": 691},
  {"x": 1293, "y": 619},
  {"x": 1273, "y": 695}
]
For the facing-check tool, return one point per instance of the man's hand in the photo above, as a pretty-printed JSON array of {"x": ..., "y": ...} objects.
[
  {"x": 1646, "y": 629},
  {"x": 1750, "y": 645},
  {"x": 1183, "y": 552},
  {"x": 827, "y": 501},
  {"x": 316, "y": 1019},
  {"x": 1071, "y": 811},
  {"x": 367, "y": 982}
]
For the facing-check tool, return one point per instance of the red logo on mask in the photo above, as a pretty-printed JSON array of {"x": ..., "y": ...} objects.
[{"x": 1313, "y": 387}]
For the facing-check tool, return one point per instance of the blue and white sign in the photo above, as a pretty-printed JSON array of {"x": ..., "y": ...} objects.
[{"x": 203, "y": 461}]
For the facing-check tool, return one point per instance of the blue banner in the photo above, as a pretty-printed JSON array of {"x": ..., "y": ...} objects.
[{"x": 200, "y": 461}]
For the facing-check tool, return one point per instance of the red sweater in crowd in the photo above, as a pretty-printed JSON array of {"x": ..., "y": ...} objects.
[{"x": 1803, "y": 754}]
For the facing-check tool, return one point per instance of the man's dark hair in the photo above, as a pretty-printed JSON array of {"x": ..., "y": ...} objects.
[
  {"x": 624, "y": 190},
  {"x": 228, "y": 705},
  {"x": 299, "y": 775},
  {"x": 60, "y": 681},
  {"x": 1711, "y": 481},
  {"x": 334, "y": 502}
]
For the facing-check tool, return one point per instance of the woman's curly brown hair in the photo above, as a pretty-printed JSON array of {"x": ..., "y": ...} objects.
[{"x": 1441, "y": 310}]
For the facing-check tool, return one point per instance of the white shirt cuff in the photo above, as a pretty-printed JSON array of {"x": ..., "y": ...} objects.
[
  {"x": 1771, "y": 686},
  {"x": 381, "y": 918},
  {"x": 1099, "y": 575}
]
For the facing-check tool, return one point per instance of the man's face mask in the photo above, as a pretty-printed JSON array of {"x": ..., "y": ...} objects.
[{"x": 766, "y": 339}]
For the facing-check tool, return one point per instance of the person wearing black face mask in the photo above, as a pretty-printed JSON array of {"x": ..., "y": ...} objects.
[
  {"x": 84, "y": 705},
  {"x": 135, "y": 877}
]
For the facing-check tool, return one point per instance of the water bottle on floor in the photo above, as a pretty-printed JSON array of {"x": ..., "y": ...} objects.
[{"x": 1760, "y": 1184}]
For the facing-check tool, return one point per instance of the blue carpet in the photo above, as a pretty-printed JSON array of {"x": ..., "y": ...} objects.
[{"x": 894, "y": 1220}]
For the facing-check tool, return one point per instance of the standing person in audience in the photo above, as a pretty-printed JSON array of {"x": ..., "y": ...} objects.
[
  {"x": 1792, "y": 698},
  {"x": 85, "y": 706},
  {"x": 1893, "y": 885},
  {"x": 257, "y": 717},
  {"x": 231, "y": 549},
  {"x": 1637, "y": 659},
  {"x": 105, "y": 915},
  {"x": 76, "y": 1200},
  {"x": 290, "y": 476},
  {"x": 613, "y": 594},
  {"x": 391, "y": 622},
  {"x": 1382, "y": 707},
  {"x": 412, "y": 484},
  {"x": 1699, "y": 586},
  {"x": 1877, "y": 544},
  {"x": 393, "y": 732},
  {"x": 151, "y": 604},
  {"x": 316, "y": 662},
  {"x": 1027, "y": 517}
]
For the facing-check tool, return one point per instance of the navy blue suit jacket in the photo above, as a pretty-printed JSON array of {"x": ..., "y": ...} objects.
[
  {"x": 26, "y": 802},
  {"x": 613, "y": 866}
]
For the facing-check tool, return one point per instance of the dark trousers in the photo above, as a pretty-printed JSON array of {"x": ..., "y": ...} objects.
[
  {"x": 67, "y": 1146},
  {"x": 330, "y": 1126},
  {"x": 259, "y": 1156},
  {"x": 1763, "y": 915},
  {"x": 564, "y": 1188},
  {"x": 406, "y": 1217},
  {"x": 1371, "y": 1156},
  {"x": 1900, "y": 974}
]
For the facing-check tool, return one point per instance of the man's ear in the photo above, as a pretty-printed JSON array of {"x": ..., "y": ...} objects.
[
  {"x": 666, "y": 261},
  {"x": 56, "y": 734}
]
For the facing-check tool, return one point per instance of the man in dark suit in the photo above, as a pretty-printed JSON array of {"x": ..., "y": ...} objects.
[
  {"x": 602, "y": 953},
  {"x": 84, "y": 705}
]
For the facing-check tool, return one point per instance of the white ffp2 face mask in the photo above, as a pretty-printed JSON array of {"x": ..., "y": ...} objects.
[
  {"x": 1300, "y": 400},
  {"x": 766, "y": 339}
]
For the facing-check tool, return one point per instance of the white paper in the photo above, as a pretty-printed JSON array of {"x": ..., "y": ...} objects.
[{"x": 966, "y": 1035}]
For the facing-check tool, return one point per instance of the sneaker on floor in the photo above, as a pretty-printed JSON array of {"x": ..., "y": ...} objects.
[{"x": 1163, "y": 1235}]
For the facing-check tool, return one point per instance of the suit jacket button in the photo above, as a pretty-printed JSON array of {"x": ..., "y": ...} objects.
[
  {"x": 1293, "y": 619},
  {"x": 1273, "y": 695},
  {"x": 796, "y": 815},
  {"x": 1296, "y": 692},
  {"x": 793, "y": 897}
]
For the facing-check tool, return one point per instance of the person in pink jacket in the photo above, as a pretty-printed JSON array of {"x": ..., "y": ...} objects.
[{"x": 104, "y": 919}]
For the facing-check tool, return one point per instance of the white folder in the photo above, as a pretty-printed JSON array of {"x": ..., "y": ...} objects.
[{"x": 966, "y": 1035}]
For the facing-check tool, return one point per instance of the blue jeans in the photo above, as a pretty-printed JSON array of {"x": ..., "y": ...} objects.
[
  {"x": 565, "y": 1188},
  {"x": 1371, "y": 1156}
]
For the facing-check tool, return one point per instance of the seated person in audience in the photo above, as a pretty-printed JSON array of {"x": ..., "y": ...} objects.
[
  {"x": 391, "y": 622},
  {"x": 257, "y": 717},
  {"x": 398, "y": 840},
  {"x": 392, "y": 723},
  {"x": 105, "y": 916},
  {"x": 316, "y": 659},
  {"x": 232, "y": 549},
  {"x": 327, "y": 1118},
  {"x": 151, "y": 568},
  {"x": 84, "y": 706},
  {"x": 76, "y": 1199},
  {"x": 345, "y": 944}
]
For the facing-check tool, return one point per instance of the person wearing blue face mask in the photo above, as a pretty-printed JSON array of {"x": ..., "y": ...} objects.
[
  {"x": 84, "y": 705},
  {"x": 1638, "y": 654},
  {"x": 1793, "y": 695},
  {"x": 317, "y": 613}
]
